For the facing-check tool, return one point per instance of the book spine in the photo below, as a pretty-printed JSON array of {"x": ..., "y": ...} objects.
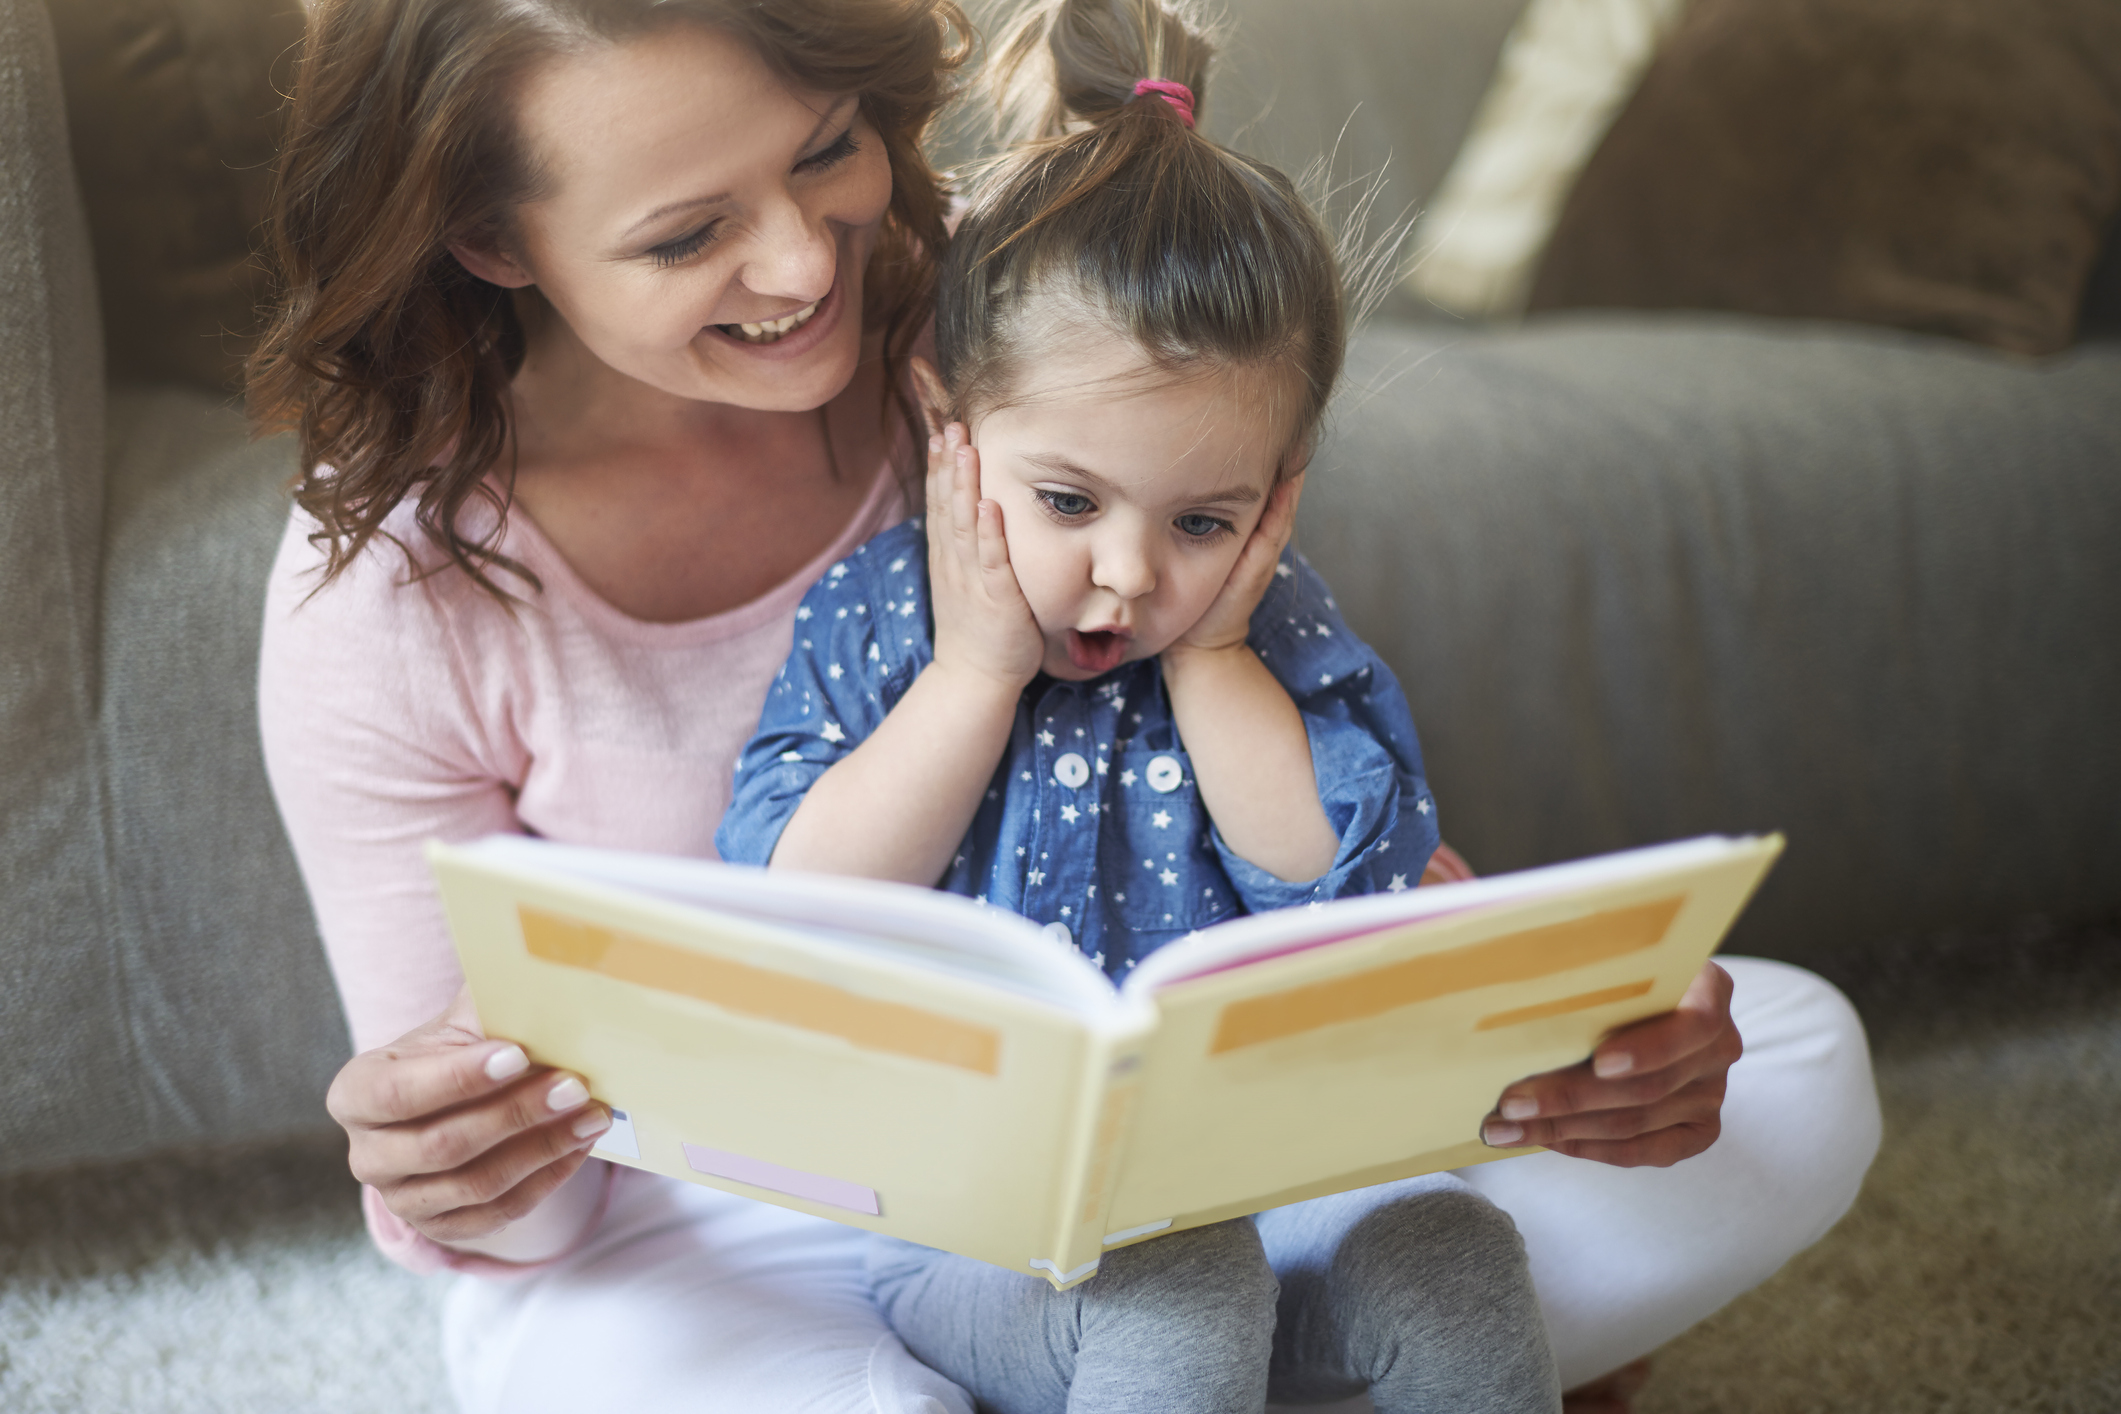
[{"x": 1103, "y": 1125}]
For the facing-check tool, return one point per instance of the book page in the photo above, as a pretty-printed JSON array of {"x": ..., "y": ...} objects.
[
  {"x": 1243, "y": 941},
  {"x": 866, "y": 1084},
  {"x": 1324, "y": 1068},
  {"x": 934, "y": 929}
]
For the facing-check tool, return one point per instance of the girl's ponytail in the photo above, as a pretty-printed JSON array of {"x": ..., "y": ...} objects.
[
  {"x": 1068, "y": 63},
  {"x": 1112, "y": 209}
]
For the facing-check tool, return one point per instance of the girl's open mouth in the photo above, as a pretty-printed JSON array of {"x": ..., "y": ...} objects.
[{"x": 1098, "y": 651}]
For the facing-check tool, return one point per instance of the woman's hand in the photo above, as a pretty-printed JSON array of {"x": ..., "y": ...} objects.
[
  {"x": 1650, "y": 1094},
  {"x": 1228, "y": 620},
  {"x": 461, "y": 1135},
  {"x": 983, "y": 623}
]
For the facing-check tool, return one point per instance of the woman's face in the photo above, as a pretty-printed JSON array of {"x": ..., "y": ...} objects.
[{"x": 703, "y": 227}]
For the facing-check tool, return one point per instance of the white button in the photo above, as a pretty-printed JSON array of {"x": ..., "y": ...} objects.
[
  {"x": 1060, "y": 934},
  {"x": 1071, "y": 770},
  {"x": 1164, "y": 775}
]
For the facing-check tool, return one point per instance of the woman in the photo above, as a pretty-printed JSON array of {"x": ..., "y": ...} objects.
[{"x": 594, "y": 328}]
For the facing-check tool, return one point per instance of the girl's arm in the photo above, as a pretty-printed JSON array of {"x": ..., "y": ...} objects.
[
  {"x": 898, "y": 806},
  {"x": 1251, "y": 754}
]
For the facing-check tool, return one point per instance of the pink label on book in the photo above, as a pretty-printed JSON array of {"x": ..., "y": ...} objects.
[{"x": 836, "y": 1192}]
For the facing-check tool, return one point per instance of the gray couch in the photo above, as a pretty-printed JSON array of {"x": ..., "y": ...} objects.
[{"x": 1643, "y": 577}]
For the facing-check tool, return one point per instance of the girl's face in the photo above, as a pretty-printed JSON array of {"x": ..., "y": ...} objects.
[
  {"x": 703, "y": 227},
  {"x": 1126, "y": 496}
]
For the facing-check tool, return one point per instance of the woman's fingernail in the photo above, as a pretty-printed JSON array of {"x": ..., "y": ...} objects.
[
  {"x": 507, "y": 1061},
  {"x": 1611, "y": 1063},
  {"x": 595, "y": 1122},
  {"x": 566, "y": 1095},
  {"x": 1519, "y": 1107},
  {"x": 1501, "y": 1136}
]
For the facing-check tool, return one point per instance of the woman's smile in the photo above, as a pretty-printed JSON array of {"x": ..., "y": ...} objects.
[{"x": 771, "y": 331}]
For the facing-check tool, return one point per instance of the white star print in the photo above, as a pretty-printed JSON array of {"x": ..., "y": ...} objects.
[
  {"x": 1045, "y": 738},
  {"x": 803, "y": 612},
  {"x": 1019, "y": 851},
  {"x": 1324, "y": 632},
  {"x": 1069, "y": 813},
  {"x": 835, "y": 672},
  {"x": 875, "y": 654},
  {"x": 1398, "y": 884},
  {"x": 1284, "y": 572},
  {"x": 1168, "y": 877},
  {"x": 1035, "y": 878},
  {"x": 1161, "y": 819},
  {"x": 1099, "y": 959},
  {"x": 1119, "y": 898},
  {"x": 839, "y": 571},
  {"x": 898, "y": 565},
  {"x": 1103, "y": 766},
  {"x": 842, "y": 612},
  {"x": 1325, "y": 679},
  {"x": 832, "y": 732},
  {"x": 791, "y": 755},
  {"x": 907, "y": 611},
  {"x": 1126, "y": 778},
  {"x": 1065, "y": 910},
  {"x": 1422, "y": 806}
]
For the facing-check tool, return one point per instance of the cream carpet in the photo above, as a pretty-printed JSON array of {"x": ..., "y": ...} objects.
[{"x": 1980, "y": 1271}]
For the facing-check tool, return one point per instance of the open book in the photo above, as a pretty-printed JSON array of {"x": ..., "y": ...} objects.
[{"x": 926, "y": 1066}]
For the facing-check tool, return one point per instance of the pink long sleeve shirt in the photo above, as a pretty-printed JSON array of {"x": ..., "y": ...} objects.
[{"x": 396, "y": 709}]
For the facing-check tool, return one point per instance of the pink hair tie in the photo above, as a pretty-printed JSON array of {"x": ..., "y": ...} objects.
[{"x": 1175, "y": 94}]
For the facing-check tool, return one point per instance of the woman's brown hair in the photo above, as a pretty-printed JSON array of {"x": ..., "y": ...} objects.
[
  {"x": 389, "y": 359},
  {"x": 1112, "y": 209}
]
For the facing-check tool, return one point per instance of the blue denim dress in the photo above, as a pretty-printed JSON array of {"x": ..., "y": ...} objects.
[{"x": 1092, "y": 820}]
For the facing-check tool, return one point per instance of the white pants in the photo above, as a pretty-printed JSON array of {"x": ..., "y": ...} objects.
[{"x": 688, "y": 1299}]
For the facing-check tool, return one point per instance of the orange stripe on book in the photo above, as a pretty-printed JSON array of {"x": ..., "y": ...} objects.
[
  {"x": 759, "y": 992},
  {"x": 1518, "y": 957},
  {"x": 1582, "y": 1001}
]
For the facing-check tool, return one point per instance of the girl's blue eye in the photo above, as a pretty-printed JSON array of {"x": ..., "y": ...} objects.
[
  {"x": 1200, "y": 527},
  {"x": 685, "y": 247},
  {"x": 1066, "y": 504}
]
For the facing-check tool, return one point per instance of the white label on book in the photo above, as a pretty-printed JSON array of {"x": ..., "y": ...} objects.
[
  {"x": 1143, "y": 1231},
  {"x": 778, "y": 1178},
  {"x": 618, "y": 1142}
]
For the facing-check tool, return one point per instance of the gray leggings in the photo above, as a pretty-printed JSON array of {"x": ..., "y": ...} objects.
[{"x": 1417, "y": 1291}]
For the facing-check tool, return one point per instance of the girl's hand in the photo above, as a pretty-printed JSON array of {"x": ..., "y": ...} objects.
[
  {"x": 461, "y": 1135},
  {"x": 1228, "y": 621},
  {"x": 982, "y": 622},
  {"x": 1651, "y": 1094}
]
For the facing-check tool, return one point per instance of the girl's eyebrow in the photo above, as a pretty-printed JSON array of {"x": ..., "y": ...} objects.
[
  {"x": 825, "y": 120},
  {"x": 1061, "y": 466}
]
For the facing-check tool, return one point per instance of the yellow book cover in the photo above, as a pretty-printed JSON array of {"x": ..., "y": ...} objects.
[{"x": 923, "y": 1065}]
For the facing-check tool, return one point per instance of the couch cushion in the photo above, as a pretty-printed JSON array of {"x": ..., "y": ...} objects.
[
  {"x": 1654, "y": 576},
  {"x": 62, "y": 1044},
  {"x": 1943, "y": 165},
  {"x": 174, "y": 106},
  {"x": 232, "y": 1014}
]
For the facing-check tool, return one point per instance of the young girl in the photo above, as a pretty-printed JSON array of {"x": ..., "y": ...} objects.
[{"x": 1095, "y": 688}]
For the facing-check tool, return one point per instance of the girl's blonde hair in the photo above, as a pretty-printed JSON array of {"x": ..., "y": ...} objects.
[
  {"x": 388, "y": 358},
  {"x": 1111, "y": 207}
]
